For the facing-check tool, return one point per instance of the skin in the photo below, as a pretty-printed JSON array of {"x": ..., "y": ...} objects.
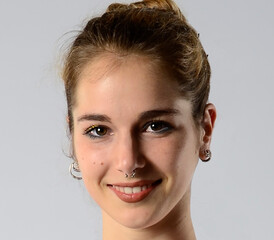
[{"x": 120, "y": 95}]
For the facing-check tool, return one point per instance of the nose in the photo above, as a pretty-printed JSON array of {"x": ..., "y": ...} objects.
[{"x": 127, "y": 154}]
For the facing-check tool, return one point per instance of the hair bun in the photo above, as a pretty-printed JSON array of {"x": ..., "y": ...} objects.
[{"x": 168, "y": 5}]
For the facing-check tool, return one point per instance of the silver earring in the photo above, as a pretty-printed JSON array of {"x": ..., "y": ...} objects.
[
  {"x": 132, "y": 175},
  {"x": 207, "y": 154},
  {"x": 74, "y": 168}
]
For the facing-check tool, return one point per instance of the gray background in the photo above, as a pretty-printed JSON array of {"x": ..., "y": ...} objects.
[{"x": 233, "y": 194}]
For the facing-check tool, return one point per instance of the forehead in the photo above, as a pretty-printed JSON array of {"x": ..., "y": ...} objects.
[
  {"x": 127, "y": 85},
  {"x": 107, "y": 64}
]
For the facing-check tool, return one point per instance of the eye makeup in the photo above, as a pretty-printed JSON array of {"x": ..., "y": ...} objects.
[
  {"x": 157, "y": 127},
  {"x": 96, "y": 131}
]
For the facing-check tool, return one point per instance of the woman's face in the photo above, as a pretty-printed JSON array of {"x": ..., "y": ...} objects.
[{"x": 129, "y": 115}]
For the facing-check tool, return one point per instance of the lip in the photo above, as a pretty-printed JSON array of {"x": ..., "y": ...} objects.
[{"x": 146, "y": 188}]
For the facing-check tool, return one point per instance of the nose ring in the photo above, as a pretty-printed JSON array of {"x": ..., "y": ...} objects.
[{"x": 132, "y": 175}]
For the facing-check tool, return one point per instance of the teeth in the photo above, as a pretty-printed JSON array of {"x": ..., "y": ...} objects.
[
  {"x": 136, "y": 189},
  {"x": 130, "y": 190}
]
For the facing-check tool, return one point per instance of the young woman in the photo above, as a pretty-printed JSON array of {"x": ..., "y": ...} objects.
[{"x": 137, "y": 85}]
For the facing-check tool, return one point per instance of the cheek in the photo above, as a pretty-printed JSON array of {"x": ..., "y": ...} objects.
[
  {"x": 170, "y": 153},
  {"x": 175, "y": 157},
  {"x": 91, "y": 160}
]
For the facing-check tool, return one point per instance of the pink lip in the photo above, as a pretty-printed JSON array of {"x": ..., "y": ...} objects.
[{"x": 134, "y": 197}]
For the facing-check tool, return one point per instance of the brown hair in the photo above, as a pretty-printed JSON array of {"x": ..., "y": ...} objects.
[{"x": 153, "y": 28}]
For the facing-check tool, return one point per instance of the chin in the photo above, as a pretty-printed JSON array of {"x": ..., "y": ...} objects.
[
  {"x": 136, "y": 221},
  {"x": 137, "y": 217}
]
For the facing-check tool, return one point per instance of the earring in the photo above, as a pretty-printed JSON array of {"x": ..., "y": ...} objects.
[
  {"x": 132, "y": 175},
  {"x": 74, "y": 168},
  {"x": 207, "y": 154}
]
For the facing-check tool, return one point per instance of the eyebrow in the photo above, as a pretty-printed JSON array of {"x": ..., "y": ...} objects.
[
  {"x": 94, "y": 117},
  {"x": 143, "y": 116},
  {"x": 157, "y": 113}
]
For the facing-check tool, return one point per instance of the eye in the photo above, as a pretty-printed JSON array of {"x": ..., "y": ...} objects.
[
  {"x": 96, "y": 131},
  {"x": 157, "y": 127}
]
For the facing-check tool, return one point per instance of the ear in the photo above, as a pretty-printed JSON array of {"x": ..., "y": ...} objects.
[
  {"x": 207, "y": 124},
  {"x": 67, "y": 118}
]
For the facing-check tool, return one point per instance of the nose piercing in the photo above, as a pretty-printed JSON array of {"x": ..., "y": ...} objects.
[{"x": 132, "y": 175}]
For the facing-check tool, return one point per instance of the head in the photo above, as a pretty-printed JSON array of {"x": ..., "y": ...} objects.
[{"x": 137, "y": 86}]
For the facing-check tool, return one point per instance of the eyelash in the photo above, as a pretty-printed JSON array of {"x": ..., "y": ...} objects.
[
  {"x": 89, "y": 130},
  {"x": 164, "y": 128}
]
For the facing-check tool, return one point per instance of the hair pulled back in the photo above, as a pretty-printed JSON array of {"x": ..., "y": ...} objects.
[{"x": 153, "y": 28}]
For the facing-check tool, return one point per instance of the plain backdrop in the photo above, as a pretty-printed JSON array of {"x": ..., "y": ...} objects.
[{"x": 232, "y": 195}]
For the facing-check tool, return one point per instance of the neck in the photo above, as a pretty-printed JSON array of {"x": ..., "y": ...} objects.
[{"x": 176, "y": 225}]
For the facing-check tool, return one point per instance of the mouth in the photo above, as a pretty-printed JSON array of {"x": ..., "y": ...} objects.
[{"x": 134, "y": 192}]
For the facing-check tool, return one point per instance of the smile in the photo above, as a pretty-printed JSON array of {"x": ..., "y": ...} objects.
[
  {"x": 130, "y": 190},
  {"x": 134, "y": 192}
]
